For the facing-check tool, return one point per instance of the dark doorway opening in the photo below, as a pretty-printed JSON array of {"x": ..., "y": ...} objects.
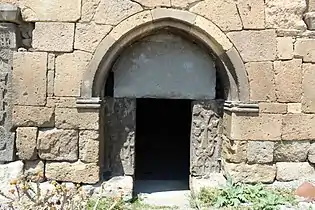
[{"x": 162, "y": 144}]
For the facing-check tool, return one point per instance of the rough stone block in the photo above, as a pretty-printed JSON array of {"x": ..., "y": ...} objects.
[
  {"x": 252, "y": 13},
  {"x": 253, "y": 127},
  {"x": 298, "y": 127},
  {"x": 216, "y": 180},
  {"x": 51, "y": 62},
  {"x": 311, "y": 5},
  {"x": 250, "y": 173},
  {"x": 223, "y": 13},
  {"x": 55, "y": 144},
  {"x": 69, "y": 70},
  {"x": 72, "y": 118},
  {"x": 88, "y": 36},
  {"x": 9, "y": 13},
  {"x": 9, "y": 172},
  {"x": 255, "y": 45},
  {"x": 305, "y": 48},
  {"x": 293, "y": 171},
  {"x": 294, "y": 108},
  {"x": 26, "y": 143},
  {"x": 234, "y": 151},
  {"x": 119, "y": 10},
  {"x": 288, "y": 71},
  {"x": 29, "y": 78},
  {"x": 61, "y": 102},
  {"x": 89, "y": 146},
  {"x": 260, "y": 151},
  {"x": 51, "y": 10},
  {"x": 31, "y": 116},
  {"x": 308, "y": 85},
  {"x": 34, "y": 170},
  {"x": 77, "y": 172},
  {"x": 309, "y": 19},
  {"x": 273, "y": 108},
  {"x": 295, "y": 151},
  {"x": 121, "y": 186},
  {"x": 261, "y": 81},
  {"x": 285, "y": 14},
  {"x": 50, "y": 83},
  {"x": 60, "y": 39},
  {"x": 311, "y": 153},
  {"x": 88, "y": 10},
  {"x": 285, "y": 48}
]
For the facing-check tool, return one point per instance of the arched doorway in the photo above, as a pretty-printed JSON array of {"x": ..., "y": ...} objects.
[{"x": 162, "y": 95}]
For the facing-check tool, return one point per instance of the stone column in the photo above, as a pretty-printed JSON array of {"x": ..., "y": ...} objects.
[{"x": 9, "y": 39}]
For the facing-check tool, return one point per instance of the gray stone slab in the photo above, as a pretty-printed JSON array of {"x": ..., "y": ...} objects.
[{"x": 10, "y": 13}]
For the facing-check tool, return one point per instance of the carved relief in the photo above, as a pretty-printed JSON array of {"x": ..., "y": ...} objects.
[
  {"x": 205, "y": 138},
  {"x": 120, "y": 126}
]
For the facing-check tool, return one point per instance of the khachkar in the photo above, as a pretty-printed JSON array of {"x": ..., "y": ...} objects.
[{"x": 9, "y": 20}]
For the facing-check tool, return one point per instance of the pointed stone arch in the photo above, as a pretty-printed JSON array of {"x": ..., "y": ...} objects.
[{"x": 232, "y": 69}]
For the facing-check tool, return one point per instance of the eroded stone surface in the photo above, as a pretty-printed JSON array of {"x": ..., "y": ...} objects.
[
  {"x": 205, "y": 138},
  {"x": 223, "y": 13},
  {"x": 311, "y": 153},
  {"x": 292, "y": 171},
  {"x": 252, "y": 13},
  {"x": 88, "y": 9},
  {"x": 154, "y": 3},
  {"x": 57, "y": 144},
  {"x": 33, "y": 116},
  {"x": 255, "y": 45},
  {"x": 89, "y": 146},
  {"x": 261, "y": 81},
  {"x": 285, "y": 14},
  {"x": 260, "y": 151},
  {"x": 250, "y": 173},
  {"x": 69, "y": 70},
  {"x": 234, "y": 151},
  {"x": 308, "y": 85},
  {"x": 298, "y": 127},
  {"x": 61, "y": 102},
  {"x": 182, "y": 3},
  {"x": 305, "y": 48},
  {"x": 273, "y": 108},
  {"x": 288, "y": 71},
  {"x": 115, "y": 11},
  {"x": 60, "y": 39},
  {"x": 51, "y": 10},
  {"x": 88, "y": 36},
  {"x": 294, "y": 108},
  {"x": 73, "y": 118},
  {"x": 26, "y": 67},
  {"x": 77, "y": 172},
  {"x": 120, "y": 128},
  {"x": 295, "y": 151},
  {"x": 121, "y": 186},
  {"x": 285, "y": 48},
  {"x": 26, "y": 143}
]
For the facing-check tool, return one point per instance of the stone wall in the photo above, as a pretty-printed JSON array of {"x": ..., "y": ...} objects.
[{"x": 274, "y": 39}]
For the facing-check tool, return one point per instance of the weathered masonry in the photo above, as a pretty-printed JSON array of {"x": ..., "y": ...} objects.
[{"x": 181, "y": 89}]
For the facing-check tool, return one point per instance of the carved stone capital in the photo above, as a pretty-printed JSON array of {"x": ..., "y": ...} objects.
[{"x": 239, "y": 106}]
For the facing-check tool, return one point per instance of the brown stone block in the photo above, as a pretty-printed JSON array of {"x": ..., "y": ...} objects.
[
  {"x": 60, "y": 39},
  {"x": 234, "y": 151},
  {"x": 29, "y": 78},
  {"x": 261, "y": 81},
  {"x": 57, "y": 144},
  {"x": 250, "y": 173},
  {"x": 295, "y": 151},
  {"x": 288, "y": 71},
  {"x": 72, "y": 118},
  {"x": 293, "y": 171},
  {"x": 77, "y": 172},
  {"x": 272, "y": 108},
  {"x": 26, "y": 116},
  {"x": 26, "y": 143},
  {"x": 61, "y": 102},
  {"x": 253, "y": 127},
  {"x": 298, "y": 127},
  {"x": 308, "y": 85},
  {"x": 252, "y": 13},
  {"x": 89, "y": 146},
  {"x": 305, "y": 48},
  {"x": 255, "y": 45},
  {"x": 223, "y": 13}
]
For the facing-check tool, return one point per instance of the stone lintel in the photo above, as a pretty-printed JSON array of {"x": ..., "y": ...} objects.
[
  {"x": 10, "y": 13},
  {"x": 88, "y": 103},
  {"x": 243, "y": 107}
]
